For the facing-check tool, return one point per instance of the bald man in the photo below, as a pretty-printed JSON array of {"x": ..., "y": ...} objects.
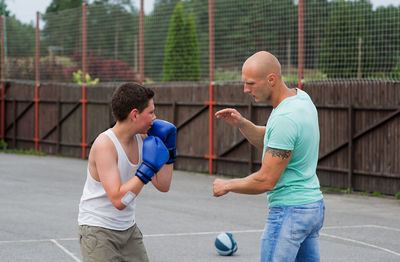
[{"x": 290, "y": 143}]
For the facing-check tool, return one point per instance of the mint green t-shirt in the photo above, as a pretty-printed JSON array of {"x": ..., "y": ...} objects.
[{"x": 293, "y": 125}]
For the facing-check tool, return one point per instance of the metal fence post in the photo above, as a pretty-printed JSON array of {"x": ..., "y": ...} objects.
[
  {"x": 141, "y": 42},
  {"x": 37, "y": 76},
  {"x": 211, "y": 101},
  {"x": 83, "y": 144},
  {"x": 3, "y": 86},
  {"x": 300, "y": 50}
]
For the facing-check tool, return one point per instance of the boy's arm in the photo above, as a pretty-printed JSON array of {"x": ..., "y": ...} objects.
[
  {"x": 162, "y": 181},
  {"x": 106, "y": 165}
]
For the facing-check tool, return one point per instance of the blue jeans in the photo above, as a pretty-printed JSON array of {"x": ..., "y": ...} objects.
[{"x": 292, "y": 232}]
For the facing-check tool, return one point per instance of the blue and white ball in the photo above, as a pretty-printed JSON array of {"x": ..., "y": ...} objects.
[{"x": 225, "y": 244}]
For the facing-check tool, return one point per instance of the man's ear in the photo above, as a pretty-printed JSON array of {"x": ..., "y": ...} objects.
[{"x": 271, "y": 78}]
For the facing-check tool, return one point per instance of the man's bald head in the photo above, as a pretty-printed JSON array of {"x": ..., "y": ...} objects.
[{"x": 263, "y": 63}]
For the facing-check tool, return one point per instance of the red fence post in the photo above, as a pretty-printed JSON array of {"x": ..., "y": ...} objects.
[
  {"x": 141, "y": 42},
  {"x": 3, "y": 86},
  {"x": 300, "y": 50},
  {"x": 211, "y": 101},
  {"x": 83, "y": 144},
  {"x": 37, "y": 76}
]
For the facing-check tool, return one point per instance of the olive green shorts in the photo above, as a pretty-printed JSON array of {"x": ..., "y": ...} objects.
[{"x": 100, "y": 244}]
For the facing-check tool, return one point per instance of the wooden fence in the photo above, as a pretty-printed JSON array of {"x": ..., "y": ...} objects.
[{"x": 359, "y": 124}]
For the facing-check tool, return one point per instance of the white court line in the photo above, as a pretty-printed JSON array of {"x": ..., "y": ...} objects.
[
  {"x": 233, "y": 231},
  {"x": 151, "y": 235},
  {"x": 24, "y": 241},
  {"x": 322, "y": 234},
  {"x": 361, "y": 243},
  {"x": 65, "y": 250},
  {"x": 362, "y": 226},
  {"x": 261, "y": 230},
  {"x": 203, "y": 233},
  {"x": 68, "y": 239}
]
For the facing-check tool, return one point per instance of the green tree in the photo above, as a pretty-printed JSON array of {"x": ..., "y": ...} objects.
[
  {"x": 386, "y": 38},
  {"x": 192, "y": 71},
  {"x": 19, "y": 45},
  {"x": 62, "y": 27},
  {"x": 113, "y": 30},
  {"x": 61, "y": 5},
  {"x": 156, "y": 32},
  {"x": 315, "y": 15},
  {"x": 20, "y": 38},
  {"x": 3, "y": 8},
  {"x": 244, "y": 27},
  {"x": 181, "y": 61},
  {"x": 19, "y": 49},
  {"x": 174, "y": 59},
  {"x": 348, "y": 22}
]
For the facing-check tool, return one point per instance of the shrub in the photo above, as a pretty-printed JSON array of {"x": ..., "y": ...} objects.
[
  {"x": 78, "y": 78},
  {"x": 397, "y": 196},
  {"x": 105, "y": 69}
]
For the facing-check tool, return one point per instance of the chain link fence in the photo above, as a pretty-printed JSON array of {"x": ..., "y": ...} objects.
[{"x": 342, "y": 40}]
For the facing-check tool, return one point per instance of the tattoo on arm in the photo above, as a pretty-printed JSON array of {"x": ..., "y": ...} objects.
[{"x": 279, "y": 152}]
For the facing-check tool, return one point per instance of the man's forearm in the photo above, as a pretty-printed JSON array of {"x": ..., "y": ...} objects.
[
  {"x": 254, "y": 134},
  {"x": 253, "y": 184}
]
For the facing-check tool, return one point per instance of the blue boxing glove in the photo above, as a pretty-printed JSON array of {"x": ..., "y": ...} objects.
[
  {"x": 167, "y": 132},
  {"x": 155, "y": 154}
]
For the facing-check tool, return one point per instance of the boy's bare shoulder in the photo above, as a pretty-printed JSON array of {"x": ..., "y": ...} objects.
[{"x": 102, "y": 142}]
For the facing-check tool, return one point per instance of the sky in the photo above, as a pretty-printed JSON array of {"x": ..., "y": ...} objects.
[{"x": 25, "y": 10}]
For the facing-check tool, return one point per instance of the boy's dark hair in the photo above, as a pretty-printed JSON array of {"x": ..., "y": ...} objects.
[{"x": 129, "y": 96}]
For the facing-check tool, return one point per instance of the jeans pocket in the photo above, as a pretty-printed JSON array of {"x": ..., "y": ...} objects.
[
  {"x": 304, "y": 221},
  {"x": 275, "y": 214},
  {"x": 274, "y": 223}
]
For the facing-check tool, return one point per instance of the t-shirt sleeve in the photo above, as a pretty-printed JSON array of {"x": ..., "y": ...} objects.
[{"x": 282, "y": 134}]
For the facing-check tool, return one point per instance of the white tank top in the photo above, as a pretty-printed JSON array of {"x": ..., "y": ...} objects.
[{"x": 95, "y": 208}]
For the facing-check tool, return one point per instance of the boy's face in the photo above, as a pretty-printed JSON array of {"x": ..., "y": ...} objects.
[{"x": 146, "y": 117}]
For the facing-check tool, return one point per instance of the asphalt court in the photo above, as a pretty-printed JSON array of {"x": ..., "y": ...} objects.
[{"x": 39, "y": 199}]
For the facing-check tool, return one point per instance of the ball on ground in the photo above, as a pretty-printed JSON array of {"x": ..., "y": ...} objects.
[{"x": 225, "y": 244}]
